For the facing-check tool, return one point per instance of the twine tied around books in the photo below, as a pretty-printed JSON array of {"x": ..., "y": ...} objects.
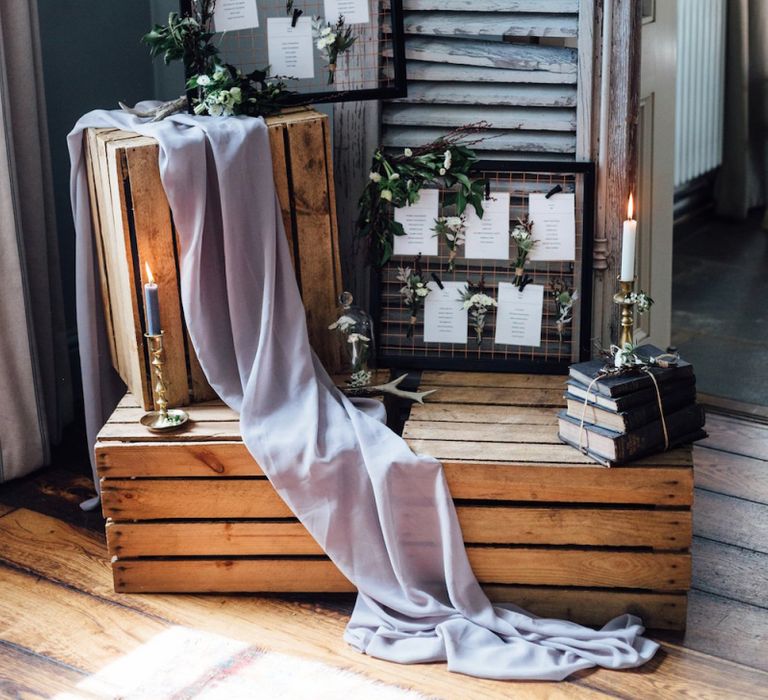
[{"x": 664, "y": 360}]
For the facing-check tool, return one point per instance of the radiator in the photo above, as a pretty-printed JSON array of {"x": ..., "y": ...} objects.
[{"x": 700, "y": 87}]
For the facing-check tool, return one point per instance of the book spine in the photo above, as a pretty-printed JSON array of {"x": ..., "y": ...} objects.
[{"x": 650, "y": 437}]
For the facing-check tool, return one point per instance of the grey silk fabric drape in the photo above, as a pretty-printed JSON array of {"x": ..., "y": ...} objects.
[
  {"x": 383, "y": 514},
  {"x": 34, "y": 369}
]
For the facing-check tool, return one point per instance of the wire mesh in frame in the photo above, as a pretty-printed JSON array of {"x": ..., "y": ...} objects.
[
  {"x": 557, "y": 351},
  {"x": 373, "y": 68}
]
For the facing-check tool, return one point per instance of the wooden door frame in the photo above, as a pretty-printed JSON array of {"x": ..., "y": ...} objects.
[{"x": 614, "y": 139}]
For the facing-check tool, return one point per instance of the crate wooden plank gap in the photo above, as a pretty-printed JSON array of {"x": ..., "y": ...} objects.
[
  {"x": 545, "y": 528},
  {"x": 132, "y": 224}
]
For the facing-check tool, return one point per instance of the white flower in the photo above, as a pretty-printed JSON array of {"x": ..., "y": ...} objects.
[
  {"x": 454, "y": 221},
  {"x": 442, "y": 171},
  {"x": 326, "y": 31},
  {"x": 237, "y": 95},
  {"x": 215, "y": 110},
  {"x": 343, "y": 324},
  {"x": 408, "y": 152},
  {"x": 447, "y": 160},
  {"x": 374, "y": 177},
  {"x": 394, "y": 176},
  {"x": 386, "y": 194},
  {"x": 203, "y": 80},
  {"x": 422, "y": 291}
]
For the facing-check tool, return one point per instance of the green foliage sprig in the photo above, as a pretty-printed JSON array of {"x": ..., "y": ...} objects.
[
  {"x": 332, "y": 40},
  {"x": 222, "y": 89},
  {"x": 395, "y": 181}
]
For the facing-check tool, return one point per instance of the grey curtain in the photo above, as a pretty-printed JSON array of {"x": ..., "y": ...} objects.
[
  {"x": 743, "y": 179},
  {"x": 34, "y": 370}
]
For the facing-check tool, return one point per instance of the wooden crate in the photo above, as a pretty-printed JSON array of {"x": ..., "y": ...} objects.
[
  {"x": 132, "y": 223},
  {"x": 545, "y": 528}
]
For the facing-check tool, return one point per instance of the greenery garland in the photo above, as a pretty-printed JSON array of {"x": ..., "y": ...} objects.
[
  {"x": 395, "y": 181},
  {"x": 222, "y": 89}
]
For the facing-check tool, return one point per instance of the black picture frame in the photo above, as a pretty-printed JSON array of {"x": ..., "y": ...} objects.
[
  {"x": 585, "y": 170},
  {"x": 398, "y": 84}
]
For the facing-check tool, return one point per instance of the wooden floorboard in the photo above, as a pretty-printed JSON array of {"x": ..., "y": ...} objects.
[
  {"x": 67, "y": 566},
  {"x": 61, "y": 621},
  {"x": 731, "y": 474},
  {"x": 737, "y": 436}
]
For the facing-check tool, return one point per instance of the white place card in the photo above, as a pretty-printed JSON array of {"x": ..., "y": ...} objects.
[
  {"x": 488, "y": 238},
  {"x": 231, "y": 15},
  {"x": 290, "y": 48},
  {"x": 418, "y": 220},
  {"x": 554, "y": 226},
  {"x": 518, "y": 316},
  {"x": 353, "y": 11},
  {"x": 445, "y": 318}
]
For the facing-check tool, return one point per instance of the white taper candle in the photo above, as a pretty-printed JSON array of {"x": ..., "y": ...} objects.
[{"x": 628, "y": 244}]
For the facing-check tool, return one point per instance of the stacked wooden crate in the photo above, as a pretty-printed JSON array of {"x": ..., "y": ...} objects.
[
  {"x": 545, "y": 527},
  {"x": 133, "y": 224}
]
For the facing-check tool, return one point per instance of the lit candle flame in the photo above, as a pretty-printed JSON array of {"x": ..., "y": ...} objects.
[
  {"x": 630, "y": 208},
  {"x": 150, "y": 278}
]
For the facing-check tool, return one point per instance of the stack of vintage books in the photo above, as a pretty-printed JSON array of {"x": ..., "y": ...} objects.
[{"x": 618, "y": 418}]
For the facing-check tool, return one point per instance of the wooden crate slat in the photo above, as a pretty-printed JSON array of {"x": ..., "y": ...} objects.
[
  {"x": 208, "y": 412},
  {"x": 496, "y": 25},
  {"x": 210, "y": 538},
  {"x": 608, "y": 527},
  {"x": 224, "y": 430},
  {"x": 166, "y": 459},
  {"x": 499, "y": 415},
  {"x": 494, "y": 380},
  {"x": 318, "y": 257},
  {"x": 282, "y": 185},
  {"x": 146, "y": 499},
  {"x": 508, "y": 94},
  {"x": 588, "y": 606},
  {"x": 131, "y": 367},
  {"x": 151, "y": 226},
  {"x": 572, "y": 567},
  {"x": 578, "y": 484},
  {"x": 98, "y": 223},
  {"x": 488, "y": 396},
  {"x": 229, "y": 576},
  {"x": 480, "y": 432},
  {"x": 588, "y": 568}
]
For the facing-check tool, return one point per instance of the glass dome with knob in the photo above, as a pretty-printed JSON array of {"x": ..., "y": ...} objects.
[{"x": 356, "y": 326}]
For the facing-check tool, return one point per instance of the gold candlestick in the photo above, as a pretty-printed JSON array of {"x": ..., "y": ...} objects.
[
  {"x": 626, "y": 332},
  {"x": 162, "y": 419}
]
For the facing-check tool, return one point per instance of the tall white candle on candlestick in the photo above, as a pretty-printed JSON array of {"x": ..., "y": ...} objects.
[{"x": 628, "y": 243}]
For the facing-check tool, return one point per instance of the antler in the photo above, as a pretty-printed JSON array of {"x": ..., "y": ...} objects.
[
  {"x": 388, "y": 388},
  {"x": 166, "y": 109}
]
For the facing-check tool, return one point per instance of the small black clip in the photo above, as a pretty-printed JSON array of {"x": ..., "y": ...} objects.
[
  {"x": 553, "y": 191},
  {"x": 487, "y": 189},
  {"x": 296, "y": 15},
  {"x": 437, "y": 279},
  {"x": 525, "y": 281}
]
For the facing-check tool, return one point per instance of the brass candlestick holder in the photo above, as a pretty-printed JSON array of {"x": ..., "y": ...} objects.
[
  {"x": 626, "y": 331},
  {"x": 163, "y": 419}
]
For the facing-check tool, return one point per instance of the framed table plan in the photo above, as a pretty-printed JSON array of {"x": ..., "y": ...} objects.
[{"x": 541, "y": 320}]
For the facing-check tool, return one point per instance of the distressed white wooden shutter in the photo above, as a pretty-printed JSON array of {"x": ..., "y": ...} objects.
[{"x": 513, "y": 63}]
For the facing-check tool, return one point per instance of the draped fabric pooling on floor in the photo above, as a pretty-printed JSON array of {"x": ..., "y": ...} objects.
[{"x": 383, "y": 515}]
